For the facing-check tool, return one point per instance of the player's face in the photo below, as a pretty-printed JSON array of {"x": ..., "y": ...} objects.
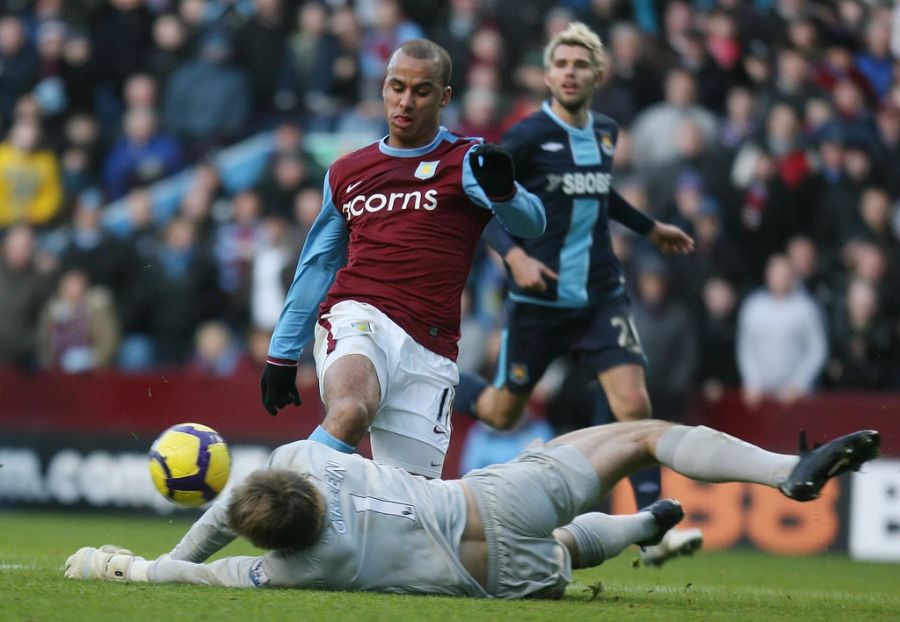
[
  {"x": 571, "y": 77},
  {"x": 413, "y": 98}
]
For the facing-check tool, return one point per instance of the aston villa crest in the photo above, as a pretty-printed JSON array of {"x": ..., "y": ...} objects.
[{"x": 426, "y": 170}]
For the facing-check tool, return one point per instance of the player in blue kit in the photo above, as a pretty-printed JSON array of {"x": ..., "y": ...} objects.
[{"x": 566, "y": 291}]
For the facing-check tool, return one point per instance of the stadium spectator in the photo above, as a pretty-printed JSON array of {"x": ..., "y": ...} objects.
[
  {"x": 289, "y": 175},
  {"x": 662, "y": 119},
  {"x": 762, "y": 219},
  {"x": 740, "y": 122},
  {"x": 142, "y": 155},
  {"x": 273, "y": 256},
  {"x": 170, "y": 48},
  {"x": 78, "y": 330},
  {"x": 307, "y": 72},
  {"x": 460, "y": 21},
  {"x": 804, "y": 257},
  {"x": 479, "y": 115},
  {"x": 79, "y": 72},
  {"x": 25, "y": 289},
  {"x": 781, "y": 340},
  {"x": 141, "y": 234},
  {"x": 179, "y": 289},
  {"x": 868, "y": 262},
  {"x": 217, "y": 354},
  {"x": 50, "y": 89},
  {"x": 875, "y": 216},
  {"x": 290, "y": 166},
  {"x": 862, "y": 339},
  {"x": 346, "y": 69},
  {"x": 141, "y": 90},
  {"x": 389, "y": 29},
  {"x": 668, "y": 338},
  {"x": 695, "y": 155},
  {"x": 711, "y": 78},
  {"x": 632, "y": 69},
  {"x": 717, "y": 340},
  {"x": 236, "y": 242},
  {"x": 207, "y": 100},
  {"x": 105, "y": 260},
  {"x": 791, "y": 84},
  {"x": 887, "y": 157},
  {"x": 30, "y": 183},
  {"x": 82, "y": 132},
  {"x": 260, "y": 45},
  {"x": 121, "y": 34},
  {"x": 713, "y": 254},
  {"x": 19, "y": 65}
]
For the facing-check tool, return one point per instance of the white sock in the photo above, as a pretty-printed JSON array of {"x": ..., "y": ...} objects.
[
  {"x": 711, "y": 456},
  {"x": 599, "y": 536}
]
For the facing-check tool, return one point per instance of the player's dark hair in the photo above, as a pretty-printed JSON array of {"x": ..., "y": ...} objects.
[
  {"x": 423, "y": 49},
  {"x": 277, "y": 509}
]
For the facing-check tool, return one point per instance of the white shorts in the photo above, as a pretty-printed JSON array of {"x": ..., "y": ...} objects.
[
  {"x": 412, "y": 427},
  {"x": 520, "y": 503}
]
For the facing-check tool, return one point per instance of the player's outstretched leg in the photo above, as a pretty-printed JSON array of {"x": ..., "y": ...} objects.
[
  {"x": 704, "y": 454},
  {"x": 845, "y": 453},
  {"x": 675, "y": 543},
  {"x": 594, "y": 537}
]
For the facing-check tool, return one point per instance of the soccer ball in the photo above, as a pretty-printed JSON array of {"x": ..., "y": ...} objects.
[{"x": 190, "y": 464}]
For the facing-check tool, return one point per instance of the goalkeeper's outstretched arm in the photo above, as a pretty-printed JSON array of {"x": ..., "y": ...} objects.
[{"x": 238, "y": 571}]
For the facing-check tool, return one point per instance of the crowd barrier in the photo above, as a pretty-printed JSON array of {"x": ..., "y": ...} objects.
[{"x": 81, "y": 441}]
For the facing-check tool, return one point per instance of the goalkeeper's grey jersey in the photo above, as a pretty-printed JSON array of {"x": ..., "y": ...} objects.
[{"x": 385, "y": 530}]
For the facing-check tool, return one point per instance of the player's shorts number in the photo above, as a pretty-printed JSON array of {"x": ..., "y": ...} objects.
[{"x": 628, "y": 335}]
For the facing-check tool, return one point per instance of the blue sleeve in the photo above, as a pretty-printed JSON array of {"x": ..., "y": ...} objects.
[
  {"x": 498, "y": 238},
  {"x": 323, "y": 254},
  {"x": 523, "y": 215}
]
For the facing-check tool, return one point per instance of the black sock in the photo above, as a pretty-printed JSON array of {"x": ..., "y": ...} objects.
[
  {"x": 467, "y": 391},
  {"x": 646, "y": 485}
]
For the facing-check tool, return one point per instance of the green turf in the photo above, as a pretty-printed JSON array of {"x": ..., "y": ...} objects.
[{"x": 735, "y": 585}]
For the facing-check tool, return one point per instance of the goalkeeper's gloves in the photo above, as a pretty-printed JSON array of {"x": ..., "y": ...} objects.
[
  {"x": 91, "y": 563},
  {"x": 279, "y": 387},
  {"x": 494, "y": 171},
  {"x": 115, "y": 549}
]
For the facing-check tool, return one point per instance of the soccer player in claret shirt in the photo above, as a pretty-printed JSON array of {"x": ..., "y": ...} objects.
[
  {"x": 515, "y": 530},
  {"x": 566, "y": 290},
  {"x": 381, "y": 274}
]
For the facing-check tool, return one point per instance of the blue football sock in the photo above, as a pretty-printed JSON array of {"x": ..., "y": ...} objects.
[
  {"x": 321, "y": 435},
  {"x": 646, "y": 486},
  {"x": 467, "y": 391}
]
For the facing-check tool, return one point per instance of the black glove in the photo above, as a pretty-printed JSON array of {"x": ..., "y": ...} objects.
[
  {"x": 494, "y": 171},
  {"x": 279, "y": 387}
]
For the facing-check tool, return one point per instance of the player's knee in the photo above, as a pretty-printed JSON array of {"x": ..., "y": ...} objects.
[{"x": 351, "y": 413}]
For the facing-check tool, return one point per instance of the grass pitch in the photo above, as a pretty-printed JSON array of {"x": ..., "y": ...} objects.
[{"x": 734, "y": 585}]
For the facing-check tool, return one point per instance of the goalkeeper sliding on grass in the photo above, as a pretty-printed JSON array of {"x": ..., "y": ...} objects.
[{"x": 342, "y": 522}]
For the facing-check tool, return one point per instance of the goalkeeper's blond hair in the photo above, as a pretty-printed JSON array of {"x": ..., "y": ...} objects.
[{"x": 578, "y": 33}]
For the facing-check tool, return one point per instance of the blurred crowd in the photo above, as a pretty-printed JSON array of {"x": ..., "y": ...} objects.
[{"x": 768, "y": 129}]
